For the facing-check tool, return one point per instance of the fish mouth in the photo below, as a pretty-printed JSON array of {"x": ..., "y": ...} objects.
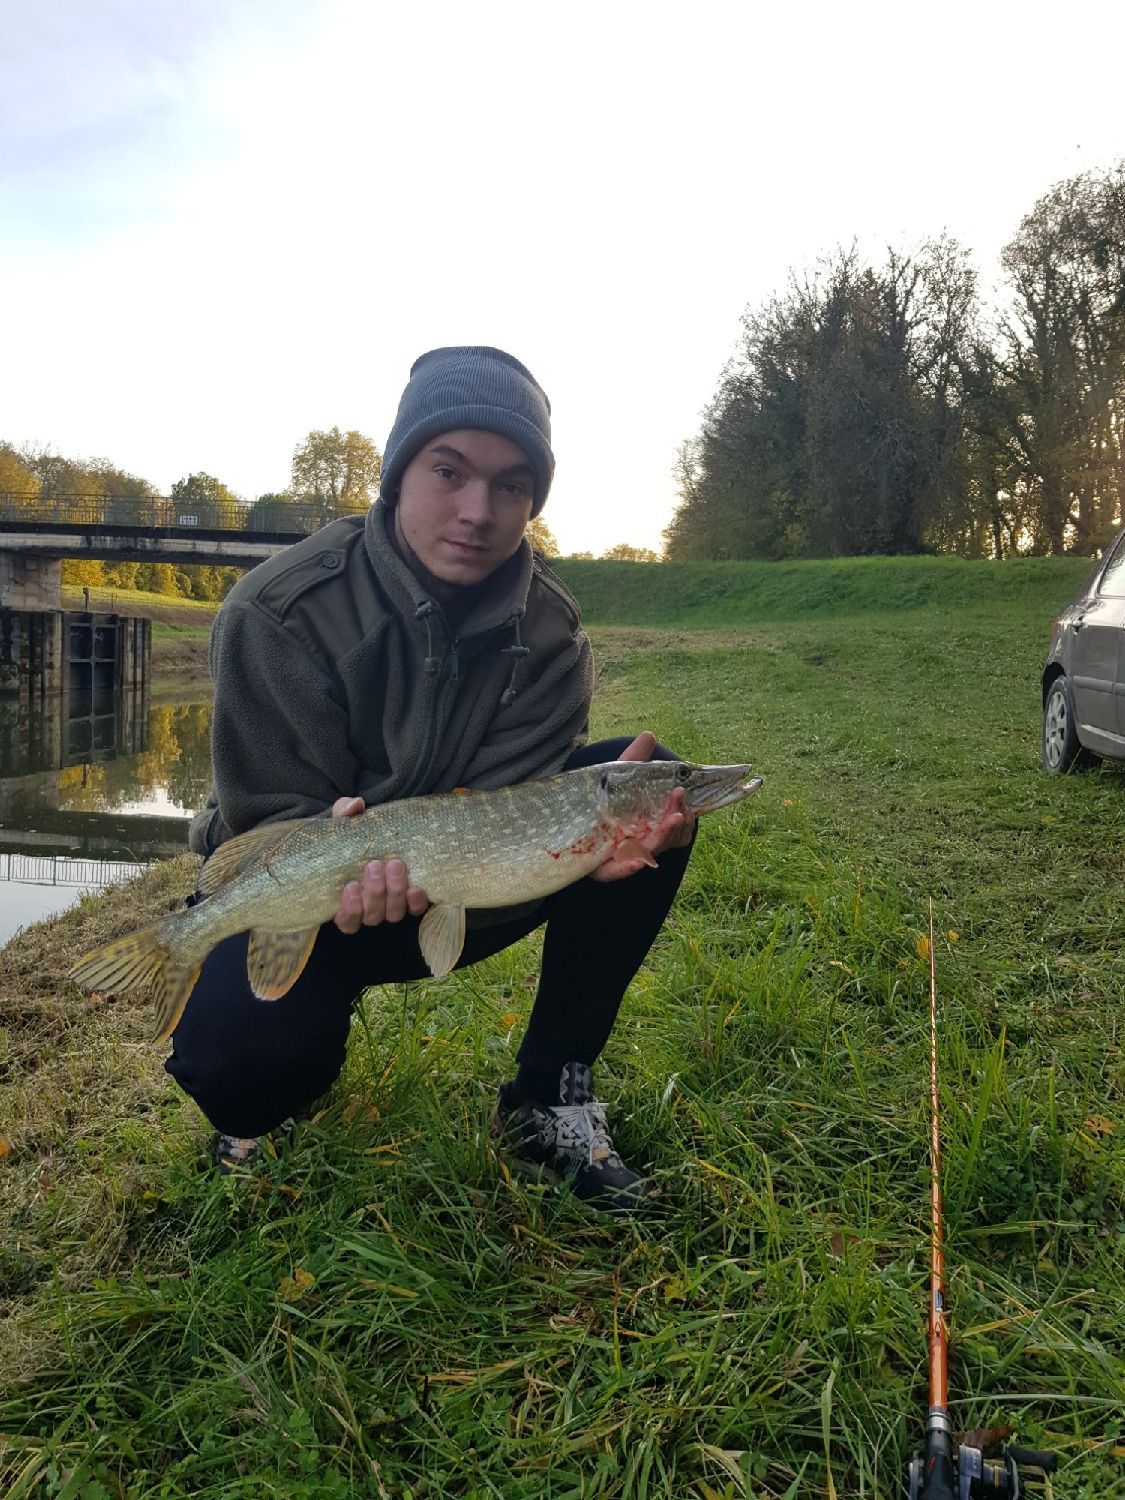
[{"x": 719, "y": 786}]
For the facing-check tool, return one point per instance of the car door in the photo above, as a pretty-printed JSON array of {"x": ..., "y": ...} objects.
[
  {"x": 1098, "y": 661},
  {"x": 1112, "y": 586}
]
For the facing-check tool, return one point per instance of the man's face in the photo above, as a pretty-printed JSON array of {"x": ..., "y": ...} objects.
[{"x": 464, "y": 502}]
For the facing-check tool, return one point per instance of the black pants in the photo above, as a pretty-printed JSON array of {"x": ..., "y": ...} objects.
[{"x": 250, "y": 1063}]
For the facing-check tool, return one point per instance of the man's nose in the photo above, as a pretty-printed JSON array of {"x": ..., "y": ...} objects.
[{"x": 475, "y": 502}]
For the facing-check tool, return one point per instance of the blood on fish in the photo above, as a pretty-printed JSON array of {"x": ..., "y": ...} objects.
[{"x": 585, "y": 845}]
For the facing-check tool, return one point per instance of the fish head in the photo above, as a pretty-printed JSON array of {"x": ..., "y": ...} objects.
[{"x": 639, "y": 789}]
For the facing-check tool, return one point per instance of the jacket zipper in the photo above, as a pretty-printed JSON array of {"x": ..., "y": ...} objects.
[{"x": 438, "y": 684}]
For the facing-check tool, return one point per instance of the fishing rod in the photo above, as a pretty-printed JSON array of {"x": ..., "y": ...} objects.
[{"x": 941, "y": 1474}]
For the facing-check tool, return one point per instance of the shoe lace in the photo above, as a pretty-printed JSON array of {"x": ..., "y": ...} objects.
[{"x": 583, "y": 1129}]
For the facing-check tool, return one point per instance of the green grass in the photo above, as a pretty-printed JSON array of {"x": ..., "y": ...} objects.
[
  {"x": 383, "y": 1311},
  {"x": 138, "y": 600}
]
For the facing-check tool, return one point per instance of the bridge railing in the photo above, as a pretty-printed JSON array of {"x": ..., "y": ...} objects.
[
  {"x": 159, "y": 512},
  {"x": 55, "y": 869}
]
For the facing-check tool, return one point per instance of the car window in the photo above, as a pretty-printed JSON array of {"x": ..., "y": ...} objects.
[{"x": 1113, "y": 579}]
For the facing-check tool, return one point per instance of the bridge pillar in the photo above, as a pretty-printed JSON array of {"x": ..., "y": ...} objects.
[
  {"x": 31, "y": 652},
  {"x": 28, "y": 582},
  {"x": 43, "y": 652}
]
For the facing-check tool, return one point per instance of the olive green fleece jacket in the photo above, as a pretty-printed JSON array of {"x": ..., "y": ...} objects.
[{"x": 335, "y": 674}]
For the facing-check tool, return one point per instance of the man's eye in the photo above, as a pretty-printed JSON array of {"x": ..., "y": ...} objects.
[
  {"x": 513, "y": 487},
  {"x": 445, "y": 471}
]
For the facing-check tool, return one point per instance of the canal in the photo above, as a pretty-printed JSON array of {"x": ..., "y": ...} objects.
[{"x": 92, "y": 788}]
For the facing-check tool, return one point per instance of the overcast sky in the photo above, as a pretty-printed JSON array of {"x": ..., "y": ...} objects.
[{"x": 225, "y": 222}]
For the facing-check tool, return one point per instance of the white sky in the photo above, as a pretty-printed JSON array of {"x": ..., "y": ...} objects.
[{"x": 225, "y": 222}]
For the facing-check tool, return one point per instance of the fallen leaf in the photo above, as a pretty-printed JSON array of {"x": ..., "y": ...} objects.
[
  {"x": 922, "y": 947},
  {"x": 1099, "y": 1125},
  {"x": 293, "y": 1288},
  {"x": 5, "y": 1148}
]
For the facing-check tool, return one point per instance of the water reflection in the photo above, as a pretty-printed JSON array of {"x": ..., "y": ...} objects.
[{"x": 92, "y": 787}]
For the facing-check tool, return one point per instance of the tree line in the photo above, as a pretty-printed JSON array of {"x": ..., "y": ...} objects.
[
  {"x": 330, "y": 471},
  {"x": 883, "y": 409}
]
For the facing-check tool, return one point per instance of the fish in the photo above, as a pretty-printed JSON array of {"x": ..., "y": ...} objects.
[{"x": 466, "y": 849}]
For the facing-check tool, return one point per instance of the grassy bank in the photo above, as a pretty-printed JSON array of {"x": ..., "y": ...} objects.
[
  {"x": 703, "y": 594},
  {"x": 383, "y": 1311}
]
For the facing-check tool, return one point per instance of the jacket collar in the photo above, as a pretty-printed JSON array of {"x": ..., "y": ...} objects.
[{"x": 504, "y": 594}]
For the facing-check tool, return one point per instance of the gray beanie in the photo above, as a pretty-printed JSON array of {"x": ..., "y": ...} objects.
[{"x": 470, "y": 387}]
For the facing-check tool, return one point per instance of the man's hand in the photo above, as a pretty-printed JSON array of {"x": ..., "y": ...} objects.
[
  {"x": 674, "y": 831},
  {"x": 383, "y": 895}
]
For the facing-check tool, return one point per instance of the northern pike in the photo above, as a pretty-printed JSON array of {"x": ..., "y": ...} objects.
[{"x": 465, "y": 849}]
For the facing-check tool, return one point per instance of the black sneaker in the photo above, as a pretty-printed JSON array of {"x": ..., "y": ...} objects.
[{"x": 570, "y": 1142}]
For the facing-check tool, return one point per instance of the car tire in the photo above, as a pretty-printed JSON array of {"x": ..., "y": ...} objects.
[{"x": 1062, "y": 750}]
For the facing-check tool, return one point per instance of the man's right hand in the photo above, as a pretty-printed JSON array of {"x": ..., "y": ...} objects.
[{"x": 383, "y": 895}]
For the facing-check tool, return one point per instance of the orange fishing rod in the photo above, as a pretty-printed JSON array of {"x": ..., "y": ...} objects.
[{"x": 943, "y": 1474}]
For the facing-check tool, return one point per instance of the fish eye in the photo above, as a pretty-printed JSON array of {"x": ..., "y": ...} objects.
[{"x": 683, "y": 771}]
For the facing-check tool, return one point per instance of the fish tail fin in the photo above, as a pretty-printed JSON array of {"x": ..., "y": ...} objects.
[{"x": 141, "y": 960}]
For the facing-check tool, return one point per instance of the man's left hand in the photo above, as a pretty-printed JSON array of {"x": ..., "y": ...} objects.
[{"x": 674, "y": 831}]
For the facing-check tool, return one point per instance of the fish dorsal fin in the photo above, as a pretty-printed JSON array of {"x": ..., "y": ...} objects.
[
  {"x": 441, "y": 937},
  {"x": 236, "y": 855},
  {"x": 274, "y": 960}
]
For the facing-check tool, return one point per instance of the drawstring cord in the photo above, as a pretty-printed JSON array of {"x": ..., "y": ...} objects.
[
  {"x": 423, "y": 613},
  {"x": 517, "y": 651}
]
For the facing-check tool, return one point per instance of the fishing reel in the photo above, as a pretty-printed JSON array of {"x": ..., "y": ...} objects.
[{"x": 970, "y": 1476}]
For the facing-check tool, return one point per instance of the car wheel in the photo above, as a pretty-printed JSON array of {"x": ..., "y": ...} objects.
[{"x": 1061, "y": 746}]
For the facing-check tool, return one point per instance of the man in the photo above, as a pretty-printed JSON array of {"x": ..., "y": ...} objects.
[{"x": 416, "y": 649}]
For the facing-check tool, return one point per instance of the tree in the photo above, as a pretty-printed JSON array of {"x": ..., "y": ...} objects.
[
  {"x": 275, "y": 512},
  {"x": 19, "y": 484},
  {"x": 206, "y": 498},
  {"x": 336, "y": 470},
  {"x": 626, "y": 552},
  {"x": 66, "y": 482},
  {"x": 541, "y": 537},
  {"x": 128, "y": 498},
  {"x": 836, "y": 430},
  {"x": 1064, "y": 359}
]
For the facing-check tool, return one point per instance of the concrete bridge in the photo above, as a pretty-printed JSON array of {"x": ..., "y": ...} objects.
[{"x": 36, "y": 535}]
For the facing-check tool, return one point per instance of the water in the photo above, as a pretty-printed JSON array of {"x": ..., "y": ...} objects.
[{"x": 91, "y": 790}]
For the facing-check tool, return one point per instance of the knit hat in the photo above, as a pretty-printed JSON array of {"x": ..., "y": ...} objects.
[{"x": 470, "y": 387}]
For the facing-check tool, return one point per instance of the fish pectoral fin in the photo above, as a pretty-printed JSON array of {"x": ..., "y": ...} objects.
[
  {"x": 631, "y": 849},
  {"x": 171, "y": 990},
  {"x": 238, "y": 854},
  {"x": 274, "y": 960},
  {"x": 441, "y": 937}
]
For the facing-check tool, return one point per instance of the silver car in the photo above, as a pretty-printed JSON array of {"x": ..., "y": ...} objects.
[{"x": 1084, "y": 679}]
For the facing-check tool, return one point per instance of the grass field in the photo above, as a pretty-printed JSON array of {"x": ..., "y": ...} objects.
[{"x": 383, "y": 1311}]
